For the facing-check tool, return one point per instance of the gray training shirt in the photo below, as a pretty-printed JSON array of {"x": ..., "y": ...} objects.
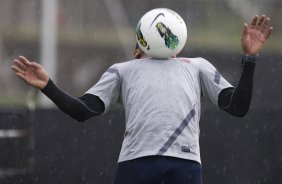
[{"x": 162, "y": 103}]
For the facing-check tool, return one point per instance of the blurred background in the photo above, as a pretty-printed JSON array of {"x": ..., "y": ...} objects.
[{"x": 76, "y": 41}]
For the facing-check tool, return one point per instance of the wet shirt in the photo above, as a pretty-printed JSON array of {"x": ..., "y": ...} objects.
[{"x": 162, "y": 104}]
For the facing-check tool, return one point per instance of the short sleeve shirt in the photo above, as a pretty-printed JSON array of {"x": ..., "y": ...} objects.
[{"x": 162, "y": 104}]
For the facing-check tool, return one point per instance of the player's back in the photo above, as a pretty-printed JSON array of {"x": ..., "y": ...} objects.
[{"x": 157, "y": 96}]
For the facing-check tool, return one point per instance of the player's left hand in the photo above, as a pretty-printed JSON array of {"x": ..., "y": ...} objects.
[{"x": 255, "y": 35}]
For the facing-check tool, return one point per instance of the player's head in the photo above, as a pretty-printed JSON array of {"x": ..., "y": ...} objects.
[{"x": 138, "y": 53}]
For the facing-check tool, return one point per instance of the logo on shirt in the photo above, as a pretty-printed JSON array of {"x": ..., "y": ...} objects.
[
  {"x": 185, "y": 149},
  {"x": 187, "y": 60}
]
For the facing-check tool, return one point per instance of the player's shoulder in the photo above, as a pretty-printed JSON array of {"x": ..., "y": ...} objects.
[
  {"x": 121, "y": 64},
  {"x": 125, "y": 66}
]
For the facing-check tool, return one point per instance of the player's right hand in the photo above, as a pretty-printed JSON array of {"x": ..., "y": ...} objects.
[
  {"x": 30, "y": 72},
  {"x": 255, "y": 35}
]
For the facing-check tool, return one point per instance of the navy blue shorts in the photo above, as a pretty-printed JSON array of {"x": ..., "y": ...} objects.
[{"x": 158, "y": 170}]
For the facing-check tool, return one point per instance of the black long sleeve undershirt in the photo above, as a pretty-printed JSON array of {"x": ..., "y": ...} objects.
[
  {"x": 79, "y": 108},
  {"x": 235, "y": 101}
]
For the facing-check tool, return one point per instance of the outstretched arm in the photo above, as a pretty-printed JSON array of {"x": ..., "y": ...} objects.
[
  {"x": 81, "y": 108},
  {"x": 236, "y": 101}
]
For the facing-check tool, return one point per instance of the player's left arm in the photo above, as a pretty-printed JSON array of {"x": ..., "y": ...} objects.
[{"x": 236, "y": 101}]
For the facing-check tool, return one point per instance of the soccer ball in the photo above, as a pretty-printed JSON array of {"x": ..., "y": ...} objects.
[{"x": 161, "y": 33}]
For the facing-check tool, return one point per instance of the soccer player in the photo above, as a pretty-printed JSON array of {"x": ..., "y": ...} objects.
[{"x": 162, "y": 106}]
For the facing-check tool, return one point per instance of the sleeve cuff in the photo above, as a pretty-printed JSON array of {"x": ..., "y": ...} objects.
[
  {"x": 49, "y": 86},
  {"x": 250, "y": 58}
]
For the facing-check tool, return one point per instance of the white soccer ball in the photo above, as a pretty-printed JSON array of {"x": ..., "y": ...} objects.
[{"x": 161, "y": 33}]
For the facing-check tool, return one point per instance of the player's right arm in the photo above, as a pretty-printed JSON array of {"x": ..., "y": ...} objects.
[
  {"x": 79, "y": 108},
  {"x": 236, "y": 101}
]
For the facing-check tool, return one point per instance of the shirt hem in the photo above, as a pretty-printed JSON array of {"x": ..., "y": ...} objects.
[{"x": 188, "y": 156}]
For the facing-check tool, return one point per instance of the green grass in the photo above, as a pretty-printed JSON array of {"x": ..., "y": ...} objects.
[{"x": 8, "y": 101}]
